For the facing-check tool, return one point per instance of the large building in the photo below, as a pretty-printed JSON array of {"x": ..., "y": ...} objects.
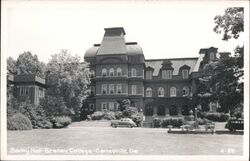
[{"x": 158, "y": 87}]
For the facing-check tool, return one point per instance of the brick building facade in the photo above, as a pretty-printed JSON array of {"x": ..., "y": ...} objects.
[{"x": 158, "y": 87}]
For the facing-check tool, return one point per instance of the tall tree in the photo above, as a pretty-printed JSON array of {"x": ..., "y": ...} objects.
[
  {"x": 27, "y": 63},
  {"x": 68, "y": 79}
]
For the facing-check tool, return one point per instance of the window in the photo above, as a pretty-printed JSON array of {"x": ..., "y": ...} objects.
[
  {"x": 212, "y": 56},
  {"x": 111, "y": 106},
  {"x": 166, "y": 74},
  {"x": 104, "y": 89},
  {"x": 92, "y": 89},
  {"x": 119, "y": 71},
  {"x": 161, "y": 92},
  {"x": 133, "y": 89},
  {"x": 119, "y": 88},
  {"x": 111, "y": 72},
  {"x": 149, "y": 74},
  {"x": 40, "y": 93},
  {"x": 104, "y": 72},
  {"x": 184, "y": 73},
  {"x": 24, "y": 91},
  {"x": 92, "y": 73},
  {"x": 133, "y": 71},
  {"x": 185, "y": 91},
  {"x": 111, "y": 89},
  {"x": 172, "y": 92},
  {"x": 149, "y": 92},
  {"x": 91, "y": 107},
  {"x": 104, "y": 106}
]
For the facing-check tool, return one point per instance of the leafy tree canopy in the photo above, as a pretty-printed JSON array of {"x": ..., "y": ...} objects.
[
  {"x": 68, "y": 78},
  {"x": 231, "y": 24}
]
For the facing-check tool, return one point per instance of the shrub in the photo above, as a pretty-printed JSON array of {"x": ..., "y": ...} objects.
[
  {"x": 109, "y": 116},
  {"x": 18, "y": 122},
  {"x": 98, "y": 115},
  {"x": 171, "y": 121},
  {"x": 129, "y": 112},
  {"x": 189, "y": 118},
  {"x": 61, "y": 121},
  {"x": 118, "y": 115},
  {"x": 217, "y": 117},
  {"x": 156, "y": 122},
  {"x": 137, "y": 118}
]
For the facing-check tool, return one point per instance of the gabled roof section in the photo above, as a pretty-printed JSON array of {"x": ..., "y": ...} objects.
[
  {"x": 113, "y": 42},
  {"x": 205, "y": 50},
  {"x": 176, "y": 64},
  {"x": 185, "y": 67}
]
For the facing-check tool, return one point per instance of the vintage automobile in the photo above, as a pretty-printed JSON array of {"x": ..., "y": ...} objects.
[
  {"x": 124, "y": 122},
  {"x": 234, "y": 124}
]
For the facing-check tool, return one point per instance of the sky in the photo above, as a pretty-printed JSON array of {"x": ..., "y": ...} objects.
[{"x": 164, "y": 29}]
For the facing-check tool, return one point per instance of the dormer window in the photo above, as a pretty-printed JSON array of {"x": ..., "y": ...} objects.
[
  {"x": 111, "y": 72},
  {"x": 166, "y": 74},
  {"x": 212, "y": 56},
  {"x": 185, "y": 73},
  {"x": 119, "y": 71},
  {"x": 149, "y": 74},
  {"x": 104, "y": 72},
  {"x": 133, "y": 72}
]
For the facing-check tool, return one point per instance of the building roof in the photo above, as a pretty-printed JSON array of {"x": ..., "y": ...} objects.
[
  {"x": 176, "y": 64},
  {"x": 29, "y": 78},
  {"x": 114, "y": 43}
]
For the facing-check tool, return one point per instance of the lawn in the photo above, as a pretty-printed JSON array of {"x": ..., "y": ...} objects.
[{"x": 81, "y": 139}]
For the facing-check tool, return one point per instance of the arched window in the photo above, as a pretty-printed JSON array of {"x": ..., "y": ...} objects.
[
  {"x": 111, "y": 72},
  {"x": 172, "y": 92},
  {"x": 185, "y": 91},
  {"x": 149, "y": 92},
  {"x": 104, "y": 72},
  {"x": 161, "y": 92},
  {"x": 133, "y": 72},
  {"x": 119, "y": 71}
]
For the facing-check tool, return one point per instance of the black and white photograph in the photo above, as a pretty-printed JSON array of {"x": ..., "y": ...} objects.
[{"x": 125, "y": 80}]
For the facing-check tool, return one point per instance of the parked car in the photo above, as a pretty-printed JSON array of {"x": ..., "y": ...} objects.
[
  {"x": 124, "y": 122},
  {"x": 234, "y": 124}
]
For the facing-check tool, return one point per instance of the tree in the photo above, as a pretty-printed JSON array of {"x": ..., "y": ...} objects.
[
  {"x": 68, "y": 79},
  {"x": 11, "y": 66},
  {"x": 26, "y": 63},
  {"x": 231, "y": 23},
  {"x": 124, "y": 104},
  {"x": 222, "y": 80}
]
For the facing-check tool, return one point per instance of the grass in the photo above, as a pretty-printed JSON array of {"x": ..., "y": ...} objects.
[{"x": 143, "y": 141}]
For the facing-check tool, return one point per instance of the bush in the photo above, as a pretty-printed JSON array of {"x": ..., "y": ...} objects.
[
  {"x": 156, "y": 122},
  {"x": 98, "y": 115},
  {"x": 217, "y": 117},
  {"x": 109, "y": 116},
  {"x": 129, "y": 112},
  {"x": 18, "y": 122},
  {"x": 189, "y": 118},
  {"x": 61, "y": 121},
  {"x": 118, "y": 115},
  {"x": 137, "y": 118},
  {"x": 171, "y": 121}
]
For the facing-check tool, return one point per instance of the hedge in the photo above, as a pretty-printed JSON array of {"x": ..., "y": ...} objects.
[
  {"x": 216, "y": 117},
  {"x": 18, "y": 122}
]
